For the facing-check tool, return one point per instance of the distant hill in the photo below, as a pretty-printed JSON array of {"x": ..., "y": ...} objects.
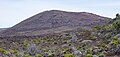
[
  {"x": 2, "y": 29},
  {"x": 54, "y": 21}
]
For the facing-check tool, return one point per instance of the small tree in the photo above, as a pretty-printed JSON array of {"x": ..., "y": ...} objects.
[
  {"x": 116, "y": 23},
  {"x": 117, "y": 17}
]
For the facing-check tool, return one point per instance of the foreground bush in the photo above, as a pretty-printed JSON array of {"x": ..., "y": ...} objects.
[
  {"x": 68, "y": 55},
  {"x": 89, "y": 55}
]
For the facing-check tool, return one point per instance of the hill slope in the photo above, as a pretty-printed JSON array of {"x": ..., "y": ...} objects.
[
  {"x": 2, "y": 29},
  {"x": 55, "y": 21}
]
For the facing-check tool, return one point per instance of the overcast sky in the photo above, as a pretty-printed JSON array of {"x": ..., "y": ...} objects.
[{"x": 14, "y": 11}]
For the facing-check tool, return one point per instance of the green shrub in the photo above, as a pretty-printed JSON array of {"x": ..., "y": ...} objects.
[
  {"x": 89, "y": 55},
  {"x": 116, "y": 25},
  {"x": 93, "y": 38},
  {"x": 101, "y": 55},
  {"x": 15, "y": 52},
  {"x": 101, "y": 45},
  {"x": 51, "y": 55},
  {"x": 26, "y": 43},
  {"x": 67, "y": 49},
  {"x": 68, "y": 55},
  {"x": 115, "y": 38},
  {"x": 55, "y": 42},
  {"x": 4, "y": 52},
  {"x": 25, "y": 55},
  {"x": 114, "y": 42},
  {"x": 1, "y": 49},
  {"x": 38, "y": 55},
  {"x": 89, "y": 49}
]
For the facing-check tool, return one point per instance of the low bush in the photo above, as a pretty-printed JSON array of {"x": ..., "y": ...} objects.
[
  {"x": 89, "y": 55},
  {"x": 68, "y": 55}
]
